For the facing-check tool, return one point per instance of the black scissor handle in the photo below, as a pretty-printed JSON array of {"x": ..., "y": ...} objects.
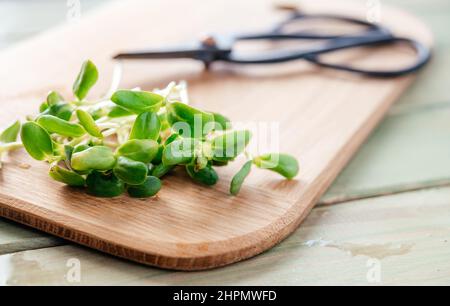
[
  {"x": 372, "y": 35},
  {"x": 423, "y": 53},
  {"x": 298, "y": 16},
  {"x": 313, "y": 55},
  {"x": 279, "y": 32},
  {"x": 423, "y": 56}
]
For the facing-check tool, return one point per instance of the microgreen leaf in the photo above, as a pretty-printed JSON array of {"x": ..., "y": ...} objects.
[
  {"x": 80, "y": 148},
  {"x": 130, "y": 171},
  {"x": 54, "y": 98},
  {"x": 143, "y": 150},
  {"x": 228, "y": 146},
  {"x": 95, "y": 158},
  {"x": 67, "y": 177},
  {"x": 220, "y": 163},
  {"x": 68, "y": 151},
  {"x": 11, "y": 133},
  {"x": 117, "y": 112},
  {"x": 36, "y": 141},
  {"x": 99, "y": 112},
  {"x": 88, "y": 123},
  {"x": 206, "y": 176},
  {"x": 43, "y": 107},
  {"x": 200, "y": 122},
  {"x": 239, "y": 178},
  {"x": 171, "y": 139},
  {"x": 164, "y": 121},
  {"x": 146, "y": 126},
  {"x": 161, "y": 170},
  {"x": 138, "y": 101},
  {"x": 149, "y": 188},
  {"x": 179, "y": 152},
  {"x": 86, "y": 79},
  {"x": 284, "y": 164},
  {"x": 104, "y": 185},
  {"x": 62, "y": 111},
  {"x": 222, "y": 122},
  {"x": 59, "y": 126},
  {"x": 158, "y": 157}
]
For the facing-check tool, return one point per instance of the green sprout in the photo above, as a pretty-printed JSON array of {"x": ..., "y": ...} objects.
[
  {"x": 8, "y": 140},
  {"x": 130, "y": 140}
]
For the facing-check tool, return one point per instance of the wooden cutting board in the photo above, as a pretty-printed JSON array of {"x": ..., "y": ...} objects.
[{"x": 324, "y": 117}]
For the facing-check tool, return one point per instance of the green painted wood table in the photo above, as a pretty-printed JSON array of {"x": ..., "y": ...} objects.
[{"x": 385, "y": 221}]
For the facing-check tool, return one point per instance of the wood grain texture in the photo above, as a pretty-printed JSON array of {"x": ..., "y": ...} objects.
[
  {"x": 324, "y": 117},
  {"x": 409, "y": 150},
  {"x": 408, "y": 234}
]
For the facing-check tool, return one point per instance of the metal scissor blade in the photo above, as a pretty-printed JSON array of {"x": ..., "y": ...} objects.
[
  {"x": 191, "y": 50},
  {"x": 167, "y": 54}
]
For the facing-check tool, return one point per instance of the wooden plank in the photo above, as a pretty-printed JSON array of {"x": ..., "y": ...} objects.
[
  {"x": 407, "y": 235},
  {"x": 198, "y": 228},
  {"x": 16, "y": 238},
  {"x": 409, "y": 150}
]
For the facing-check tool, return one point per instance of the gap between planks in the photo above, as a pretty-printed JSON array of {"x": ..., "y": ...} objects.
[
  {"x": 28, "y": 244},
  {"x": 393, "y": 190},
  {"x": 400, "y": 109},
  {"x": 396, "y": 110}
]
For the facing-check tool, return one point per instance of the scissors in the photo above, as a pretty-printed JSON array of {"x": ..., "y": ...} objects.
[{"x": 221, "y": 47}]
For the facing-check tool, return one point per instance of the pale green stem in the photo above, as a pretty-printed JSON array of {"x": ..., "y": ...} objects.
[
  {"x": 79, "y": 140},
  {"x": 54, "y": 159},
  {"x": 11, "y": 146},
  {"x": 110, "y": 144}
]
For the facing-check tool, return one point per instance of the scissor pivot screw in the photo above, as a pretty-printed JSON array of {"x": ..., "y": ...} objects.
[
  {"x": 209, "y": 41},
  {"x": 287, "y": 7}
]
